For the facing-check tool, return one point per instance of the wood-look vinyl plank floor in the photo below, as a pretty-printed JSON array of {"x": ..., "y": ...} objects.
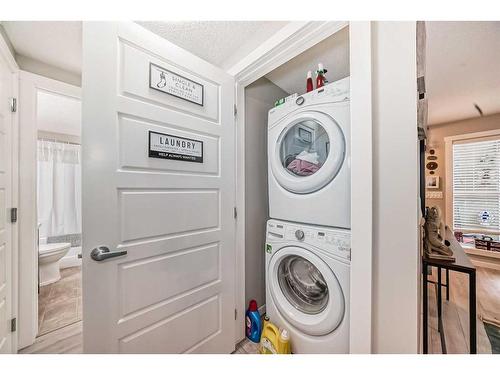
[
  {"x": 63, "y": 340},
  {"x": 456, "y": 312}
]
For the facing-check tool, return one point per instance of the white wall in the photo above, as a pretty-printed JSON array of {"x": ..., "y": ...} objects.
[
  {"x": 259, "y": 99},
  {"x": 395, "y": 180},
  {"x": 38, "y": 67},
  {"x": 59, "y": 113}
]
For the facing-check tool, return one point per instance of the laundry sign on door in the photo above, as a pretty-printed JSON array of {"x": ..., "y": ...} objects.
[
  {"x": 174, "y": 84},
  {"x": 167, "y": 146}
]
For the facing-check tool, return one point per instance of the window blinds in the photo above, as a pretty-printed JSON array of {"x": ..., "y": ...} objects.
[{"x": 476, "y": 186}]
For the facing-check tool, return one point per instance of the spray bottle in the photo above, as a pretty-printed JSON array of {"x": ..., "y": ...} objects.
[
  {"x": 309, "y": 84},
  {"x": 320, "y": 76}
]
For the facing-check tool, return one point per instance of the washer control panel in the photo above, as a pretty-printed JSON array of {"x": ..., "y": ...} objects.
[{"x": 335, "y": 241}]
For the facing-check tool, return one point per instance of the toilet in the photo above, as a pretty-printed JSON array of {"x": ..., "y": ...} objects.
[{"x": 49, "y": 256}]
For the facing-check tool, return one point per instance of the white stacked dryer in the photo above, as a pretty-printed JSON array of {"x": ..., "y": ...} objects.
[{"x": 309, "y": 158}]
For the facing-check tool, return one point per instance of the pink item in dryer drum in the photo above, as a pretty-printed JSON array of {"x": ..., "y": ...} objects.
[{"x": 302, "y": 167}]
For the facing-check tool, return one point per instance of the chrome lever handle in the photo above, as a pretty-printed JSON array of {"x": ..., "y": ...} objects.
[{"x": 102, "y": 252}]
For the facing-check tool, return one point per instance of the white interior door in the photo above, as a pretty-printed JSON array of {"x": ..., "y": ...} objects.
[
  {"x": 6, "y": 266},
  {"x": 170, "y": 207}
]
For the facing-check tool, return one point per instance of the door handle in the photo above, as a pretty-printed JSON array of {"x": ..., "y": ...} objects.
[{"x": 102, "y": 252}]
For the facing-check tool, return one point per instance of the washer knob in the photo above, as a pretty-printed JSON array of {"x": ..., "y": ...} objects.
[
  {"x": 300, "y": 100},
  {"x": 299, "y": 234}
]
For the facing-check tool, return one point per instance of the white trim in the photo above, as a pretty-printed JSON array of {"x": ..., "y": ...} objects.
[
  {"x": 448, "y": 166},
  {"x": 289, "y": 42},
  {"x": 14, "y": 68},
  {"x": 28, "y": 255},
  {"x": 360, "y": 332},
  {"x": 240, "y": 303},
  {"x": 7, "y": 55}
]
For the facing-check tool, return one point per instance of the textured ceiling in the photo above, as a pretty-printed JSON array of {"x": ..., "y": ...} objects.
[
  {"x": 56, "y": 43},
  {"x": 463, "y": 68},
  {"x": 332, "y": 52},
  {"x": 222, "y": 43}
]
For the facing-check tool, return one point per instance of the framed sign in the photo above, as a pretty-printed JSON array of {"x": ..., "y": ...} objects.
[
  {"x": 167, "y": 146},
  {"x": 174, "y": 84}
]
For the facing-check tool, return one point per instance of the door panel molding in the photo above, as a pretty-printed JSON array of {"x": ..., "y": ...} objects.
[{"x": 173, "y": 217}]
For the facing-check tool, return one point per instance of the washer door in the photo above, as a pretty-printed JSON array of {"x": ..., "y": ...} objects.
[
  {"x": 305, "y": 291},
  {"x": 309, "y": 153}
]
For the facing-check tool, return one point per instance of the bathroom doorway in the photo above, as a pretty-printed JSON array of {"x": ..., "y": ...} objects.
[
  {"x": 58, "y": 215},
  {"x": 51, "y": 290},
  {"x": 59, "y": 210}
]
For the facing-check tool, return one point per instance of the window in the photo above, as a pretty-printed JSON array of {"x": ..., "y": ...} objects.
[{"x": 476, "y": 186}]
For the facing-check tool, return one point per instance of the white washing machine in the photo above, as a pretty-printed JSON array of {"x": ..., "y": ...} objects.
[
  {"x": 307, "y": 285},
  {"x": 309, "y": 158}
]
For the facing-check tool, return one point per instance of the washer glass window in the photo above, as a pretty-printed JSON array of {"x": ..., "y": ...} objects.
[
  {"x": 304, "y": 148},
  {"x": 302, "y": 284}
]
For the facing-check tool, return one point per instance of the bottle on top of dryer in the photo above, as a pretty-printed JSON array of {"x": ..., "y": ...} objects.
[{"x": 320, "y": 76}]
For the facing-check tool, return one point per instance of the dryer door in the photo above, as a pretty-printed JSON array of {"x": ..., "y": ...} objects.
[
  {"x": 309, "y": 152},
  {"x": 305, "y": 291}
]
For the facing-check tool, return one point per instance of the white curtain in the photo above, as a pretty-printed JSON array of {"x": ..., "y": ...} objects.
[{"x": 59, "y": 188}]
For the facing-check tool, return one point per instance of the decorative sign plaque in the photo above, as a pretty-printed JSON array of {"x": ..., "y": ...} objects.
[
  {"x": 166, "y": 146},
  {"x": 171, "y": 83}
]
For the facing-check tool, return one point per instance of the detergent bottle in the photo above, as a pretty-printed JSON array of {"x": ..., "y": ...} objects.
[
  {"x": 269, "y": 339},
  {"x": 253, "y": 322},
  {"x": 284, "y": 342},
  {"x": 265, "y": 322}
]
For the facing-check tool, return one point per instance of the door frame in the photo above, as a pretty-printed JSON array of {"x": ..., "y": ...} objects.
[
  {"x": 8, "y": 57},
  {"x": 29, "y": 84},
  {"x": 287, "y": 43}
]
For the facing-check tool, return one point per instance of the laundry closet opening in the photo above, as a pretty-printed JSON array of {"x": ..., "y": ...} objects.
[{"x": 306, "y": 161}]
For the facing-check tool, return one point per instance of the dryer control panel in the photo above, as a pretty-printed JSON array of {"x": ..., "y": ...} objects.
[
  {"x": 334, "y": 241},
  {"x": 334, "y": 92}
]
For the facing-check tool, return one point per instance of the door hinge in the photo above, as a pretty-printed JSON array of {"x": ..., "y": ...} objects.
[
  {"x": 235, "y": 110},
  {"x": 235, "y": 213},
  {"x": 13, "y": 215},
  {"x": 13, "y": 325},
  {"x": 235, "y": 314},
  {"x": 13, "y": 104},
  {"x": 421, "y": 87}
]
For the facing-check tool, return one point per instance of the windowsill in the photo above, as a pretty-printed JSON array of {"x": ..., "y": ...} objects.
[{"x": 470, "y": 249}]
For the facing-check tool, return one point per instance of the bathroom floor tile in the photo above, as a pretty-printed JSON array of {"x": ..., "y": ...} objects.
[{"x": 59, "y": 304}]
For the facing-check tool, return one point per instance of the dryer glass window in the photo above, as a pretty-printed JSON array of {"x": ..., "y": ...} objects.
[
  {"x": 302, "y": 284},
  {"x": 304, "y": 148}
]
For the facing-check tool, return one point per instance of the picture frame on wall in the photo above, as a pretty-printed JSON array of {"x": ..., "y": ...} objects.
[{"x": 432, "y": 182}]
